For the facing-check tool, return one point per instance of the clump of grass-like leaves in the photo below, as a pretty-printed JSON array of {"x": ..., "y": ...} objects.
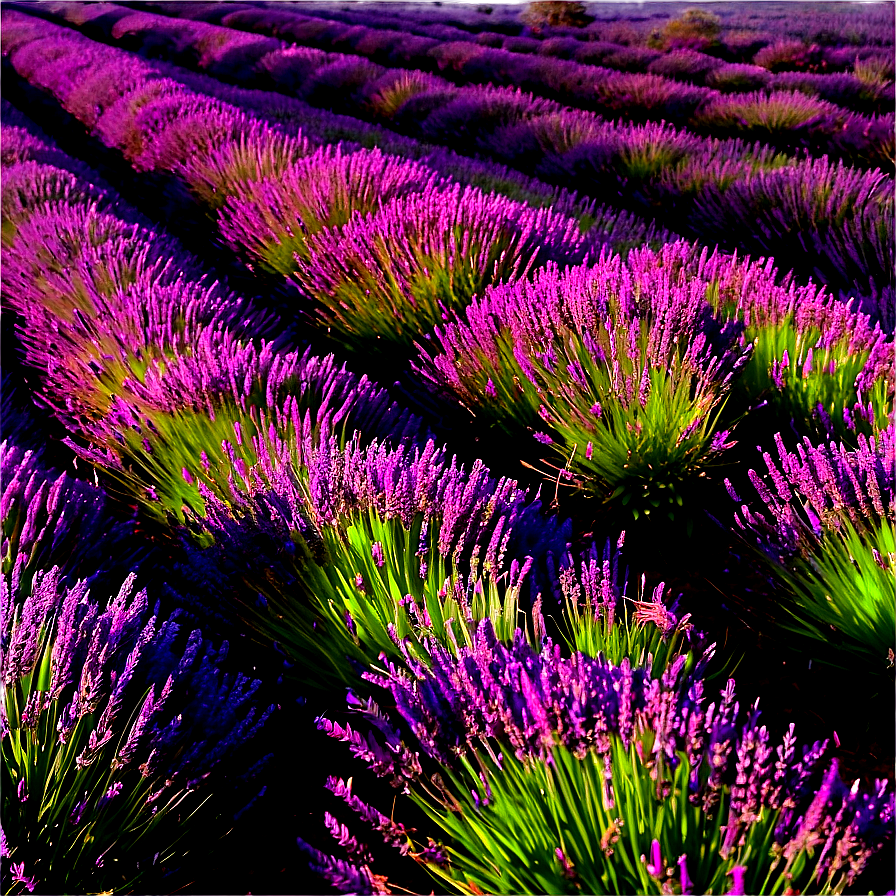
[
  {"x": 846, "y": 586},
  {"x": 348, "y": 551},
  {"x": 638, "y": 795},
  {"x": 257, "y": 154},
  {"x": 108, "y": 730},
  {"x": 270, "y": 221},
  {"x": 623, "y": 364},
  {"x": 816, "y": 383},
  {"x": 828, "y": 532},
  {"x": 389, "y": 277}
]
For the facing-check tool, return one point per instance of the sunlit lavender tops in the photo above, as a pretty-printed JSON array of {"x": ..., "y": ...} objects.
[
  {"x": 817, "y": 488},
  {"x": 489, "y": 696},
  {"x": 317, "y": 482},
  {"x": 611, "y": 302},
  {"x": 44, "y": 514}
]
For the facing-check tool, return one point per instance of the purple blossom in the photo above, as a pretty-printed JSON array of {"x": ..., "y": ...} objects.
[
  {"x": 524, "y": 699},
  {"x": 827, "y": 482},
  {"x": 687, "y": 885},
  {"x": 18, "y": 877},
  {"x": 656, "y": 867},
  {"x": 738, "y": 884},
  {"x": 392, "y": 833},
  {"x": 460, "y": 508},
  {"x": 345, "y": 876},
  {"x": 497, "y": 238}
]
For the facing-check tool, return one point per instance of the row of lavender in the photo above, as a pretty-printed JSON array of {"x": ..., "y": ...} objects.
[
  {"x": 572, "y": 72},
  {"x": 833, "y": 221},
  {"x": 792, "y": 37},
  {"x": 732, "y": 33},
  {"x": 370, "y": 603},
  {"x": 256, "y": 221},
  {"x": 786, "y": 119},
  {"x": 291, "y": 215},
  {"x": 732, "y": 59},
  {"x": 304, "y": 480}
]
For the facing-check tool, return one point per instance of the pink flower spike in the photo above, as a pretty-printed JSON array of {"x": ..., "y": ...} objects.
[
  {"x": 687, "y": 885},
  {"x": 738, "y": 873},
  {"x": 18, "y": 877}
]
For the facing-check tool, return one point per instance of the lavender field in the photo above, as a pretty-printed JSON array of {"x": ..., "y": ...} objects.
[{"x": 447, "y": 448}]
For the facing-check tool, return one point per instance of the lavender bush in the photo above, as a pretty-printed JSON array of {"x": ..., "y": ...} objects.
[
  {"x": 273, "y": 220},
  {"x": 620, "y": 369},
  {"x": 649, "y": 788},
  {"x": 352, "y": 549},
  {"x": 828, "y": 528},
  {"x": 111, "y": 726},
  {"x": 394, "y": 274},
  {"x": 111, "y": 720}
]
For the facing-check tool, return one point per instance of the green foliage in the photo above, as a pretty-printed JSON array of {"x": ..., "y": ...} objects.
[
  {"x": 386, "y": 102},
  {"x": 644, "y": 457},
  {"x": 778, "y": 114},
  {"x": 847, "y": 585},
  {"x": 637, "y": 458},
  {"x": 329, "y": 605},
  {"x": 215, "y": 175},
  {"x": 555, "y": 14},
  {"x": 875, "y": 73},
  {"x": 627, "y": 632},
  {"x": 112, "y": 845},
  {"x": 796, "y": 377},
  {"x": 697, "y": 28},
  {"x": 509, "y": 843},
  {"x": 393, "y": 294}
]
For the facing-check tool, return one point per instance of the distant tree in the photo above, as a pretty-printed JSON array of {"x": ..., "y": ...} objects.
[
  {"x": 694, "y": 28},
  {"x": 556, "y": 14}
]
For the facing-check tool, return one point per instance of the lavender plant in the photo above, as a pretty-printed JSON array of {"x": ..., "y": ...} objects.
[
  {"x": 624, "y": 364},
  {"x": 111, "y": 724},
  {"x": 828, "y": 529},
  {"x": 154, "y": 367},
  {"x": 393, "y": 275},
  {"x": 215, "y": 407},
  {"x": 43, "y": 515},
  {"x": 349, "y": 550},
  {"x": 600, "y": 619},
  {"x": 272, "y": 221},
  {"x": 838, "y": 219},
  {"x": 260, "y": 153},
  {"x": 546, "y": 774},
  {"x": 835, "y": 387}
]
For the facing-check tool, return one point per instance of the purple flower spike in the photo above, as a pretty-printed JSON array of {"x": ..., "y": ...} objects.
[
  {"x": 687, "y": 885},
  {"x": 18, "y": 877},
  {"x": 738, "y": 884},
  {"x": 345, "y": 876},
  {"x": 655, "y": 867},
  {"x": 377, "y": 552}
]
